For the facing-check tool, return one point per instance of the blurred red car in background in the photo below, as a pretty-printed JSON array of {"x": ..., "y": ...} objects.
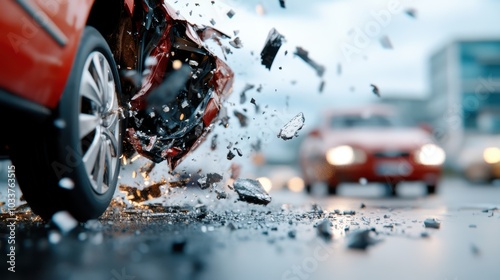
[
  {"x": 365, "y": 145},
  {"x": 76, "y": 75}
]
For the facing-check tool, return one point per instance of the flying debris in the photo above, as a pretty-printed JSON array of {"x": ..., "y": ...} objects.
[
  {"x": 243, "y": 97},
  {"x": 375, "y": 90},
  {"x": 339, "y": 69},
  {"x": 136, "y": 195},
  {"x": 230, "y": 155},
  {"x": 321, "y": 86},
  {"x": 282, "y": 3},
  {"x": 302, "y": 53},
  {"x": 386, "y": 42},
  {"x": 230, "y": 14},
  {"x": 291, "y": 129},
  {"x": 273, "y": 43},
  {"x": 251, "y": 191},
  {"x": 236, "y": 43},
  {"x": 241, "y": 118},
  {"x": 412, "y": 12}
]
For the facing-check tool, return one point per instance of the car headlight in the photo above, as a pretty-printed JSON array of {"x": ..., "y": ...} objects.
[
  {"x": 345, "y": 155},
  {"x": 430, "y": 154},
  {"x": 491, "y": 155}
]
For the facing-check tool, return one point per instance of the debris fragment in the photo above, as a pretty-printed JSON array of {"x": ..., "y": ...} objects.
[
  {"x": 291, "y": 129},
  {"x": 212, "y": 21},
  {"x": 386, "y": 42},
  {"x": 304, "y": 55},
  {"x": 221, "y": 194},
  {"x": 292, "y": 234},
  {"x": 136, "y": 195},
  {"x": 412, "y": 12},
  {"x": 64, "y": 221},
  {"x": 251, "y": 191},
  {"x": 282, "y": 4},
  {"x": 324, "y": 229},
  {"x": 66, "y": 183},
  {"x": 213, "y": 143},
  {"x": 243, "y": 97},
  {"x": 362, "y": 205},
  {"x": 349, "y": 212},
  {"x": 236, "y": 43},
  {"x": 238, "y": 151},
  {"x": 375, "y": 90},
  {"x": 432, "y": 223},
  {"x": 361, "y": 239},
  {"x": 273, "y": 43},
  {"x": 321, "y": 86},
  {"x": 241, "y": 118},
  {"x": 230, "y": 13},
  {"x": 230, "y": 155}
]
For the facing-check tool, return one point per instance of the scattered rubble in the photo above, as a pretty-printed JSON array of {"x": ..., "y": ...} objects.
[
  {"x": 324, "y": 229},
  {"x": 432, "y": 223},
  {"x": 361, "y": 239}
]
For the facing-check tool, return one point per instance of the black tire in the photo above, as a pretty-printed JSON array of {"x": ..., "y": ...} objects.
[
  {"x": 308, "y": 188},
  {"x": 431, "y": 189},
  {"x": 59, "y": 156},
  {"x": 332, "y": 189},
  {"x": 391, "y": 189}
]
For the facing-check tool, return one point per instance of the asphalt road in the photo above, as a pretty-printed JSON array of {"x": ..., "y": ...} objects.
[{"x": 194, "y": 235}]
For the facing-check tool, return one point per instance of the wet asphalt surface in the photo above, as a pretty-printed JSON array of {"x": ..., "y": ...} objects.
[{"x": 193, "y": 233}]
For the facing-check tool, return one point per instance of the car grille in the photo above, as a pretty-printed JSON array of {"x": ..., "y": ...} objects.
[{"x": 391, "y": 154}]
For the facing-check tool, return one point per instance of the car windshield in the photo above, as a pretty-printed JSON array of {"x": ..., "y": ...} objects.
[{"x": 360, "y": 121}]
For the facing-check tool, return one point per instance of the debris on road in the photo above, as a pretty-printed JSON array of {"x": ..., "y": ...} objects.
[
  {"x": 273, "y": 43},
  {"x": 361, "y": 239},
  {"x": 349, "y": 212},
  {"x": 304, "y": 55},
  {"x": 432, "y": 223},
  {"x": 324, "y": 229},
  {"x": 135, "y": 195},
  {"x": 251, "y": 191},
  {"x": 291, "y": 129},
  {"x": 64, "y": 221}
]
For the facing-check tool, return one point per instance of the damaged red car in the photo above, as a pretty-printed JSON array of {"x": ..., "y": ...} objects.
[
  {"x": 366, "y": 144},
  {"x": 83, "y": 82}
]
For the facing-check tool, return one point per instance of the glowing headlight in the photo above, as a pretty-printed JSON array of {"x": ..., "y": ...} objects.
[
  {"x": 491, "y": 155},
  {"x": 430, "y": 154},
  {"x": 344, "y": 155}
]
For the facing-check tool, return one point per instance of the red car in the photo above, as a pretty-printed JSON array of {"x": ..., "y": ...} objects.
[
  {"x": 365, "y": 145},
  {"x": 81, "y": 79}
]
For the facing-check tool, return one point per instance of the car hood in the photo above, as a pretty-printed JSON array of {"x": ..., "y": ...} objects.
[{"x": 376, "y": 139}]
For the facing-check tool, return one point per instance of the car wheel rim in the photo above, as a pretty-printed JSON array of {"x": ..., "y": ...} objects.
[{"x": 99, "y": 122}]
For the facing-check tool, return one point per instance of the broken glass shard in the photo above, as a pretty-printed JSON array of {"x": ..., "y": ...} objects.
[
  {"x": 324, "y": 229},
  {"x": 291, "y": 129},
  {"x": 64, "y": 221},
  {"x": 273, "y": 43},
  {"x": 432, "y": 223},
  {"x": 360, "y": 239},
  {"x": 304, "y": 55},
  {"x": 251, "y": 191}
]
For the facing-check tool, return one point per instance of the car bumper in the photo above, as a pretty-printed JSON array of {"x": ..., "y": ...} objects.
[{"x": 381, "y": 171}]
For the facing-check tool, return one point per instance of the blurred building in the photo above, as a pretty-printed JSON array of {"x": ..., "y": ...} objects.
[{"x": 464, "y": 102}]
